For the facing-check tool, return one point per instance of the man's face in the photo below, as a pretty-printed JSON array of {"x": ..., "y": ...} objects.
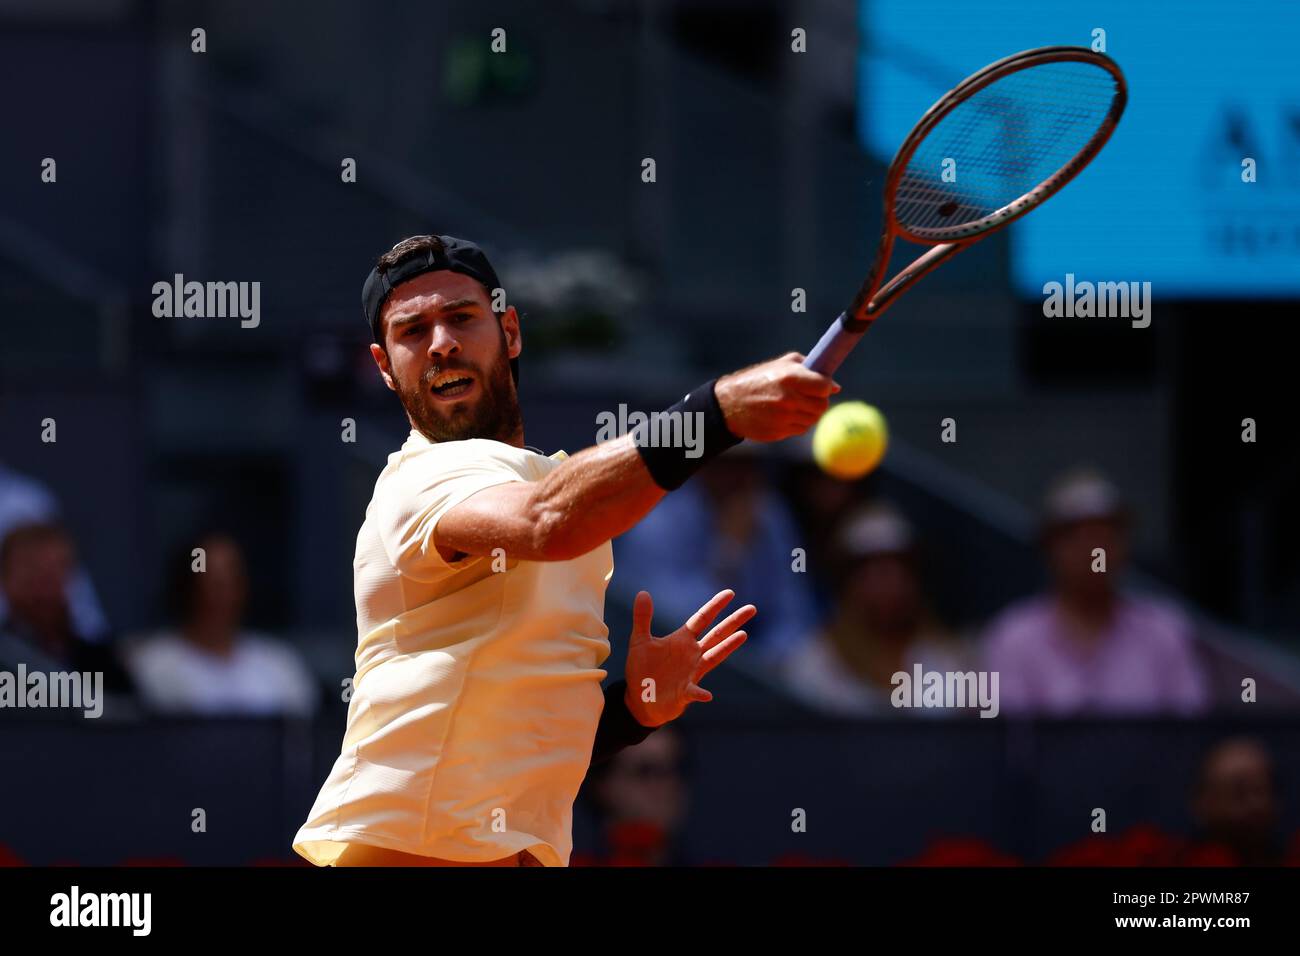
[
  {"x": 221, "y": 592},
  {"x": 35, "y": 579},
  {"x": 1070, "y": 554},
  {"x": 885, "y": 589},
  {"x": 1238, "y": 801},
  {"x": 447, "y": 357}
]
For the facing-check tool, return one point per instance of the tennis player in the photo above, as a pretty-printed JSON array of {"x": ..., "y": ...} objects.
[{"x": 480, "y": 575}]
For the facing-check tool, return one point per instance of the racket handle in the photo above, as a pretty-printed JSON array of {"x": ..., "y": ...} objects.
[{"x": 833, "y": 348}]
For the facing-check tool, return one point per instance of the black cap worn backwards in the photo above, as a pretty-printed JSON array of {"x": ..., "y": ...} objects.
[{"x": 445, "y": 253}]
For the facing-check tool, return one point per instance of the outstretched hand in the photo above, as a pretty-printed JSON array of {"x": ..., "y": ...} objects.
[{"x": 664, "y": 673}]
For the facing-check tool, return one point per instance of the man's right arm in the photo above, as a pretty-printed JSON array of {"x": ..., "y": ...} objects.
[
  {"x": 603, "y": 491},
  {"x": 590, "y": 498}
]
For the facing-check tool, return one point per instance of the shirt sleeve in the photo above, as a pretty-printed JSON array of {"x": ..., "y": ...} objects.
[
  {"x": 617, "y": 729},
  {"x": 412, "y": 502}
]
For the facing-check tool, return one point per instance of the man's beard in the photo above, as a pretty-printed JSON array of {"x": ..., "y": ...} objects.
[{"x": 494, "y": 414}]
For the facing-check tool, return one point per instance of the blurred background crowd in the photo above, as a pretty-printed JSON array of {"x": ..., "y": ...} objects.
[
  {"x": 1165, "y": 690},
  {"x": 843, "y": 596}
]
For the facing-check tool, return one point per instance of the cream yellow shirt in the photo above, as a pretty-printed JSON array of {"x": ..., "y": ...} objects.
[{"x": 477, "y": 691}]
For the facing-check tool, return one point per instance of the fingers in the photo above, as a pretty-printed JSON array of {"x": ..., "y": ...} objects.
[
  {"x": 797, "y": 415},
  {"x": 793, "y": 424},
  {"x": 807, "y": 398},
  {"x": 702, "y": 618},
  {"x": 810, "y": 393},
  {"x": 724, "y": 629},
  {"x": 643, "y": 612},
  {"x": 805, "y": 381},
  {"x": 697, "y": 694},
  {"x": 720, "y": 652}
]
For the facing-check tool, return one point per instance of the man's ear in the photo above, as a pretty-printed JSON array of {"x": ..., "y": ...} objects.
[
  {"x": 381, "y": 360},
  {"x": 510, "y": 326}
]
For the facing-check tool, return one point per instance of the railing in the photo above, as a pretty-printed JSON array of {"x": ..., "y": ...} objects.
[{"x": 878, "y": 793}]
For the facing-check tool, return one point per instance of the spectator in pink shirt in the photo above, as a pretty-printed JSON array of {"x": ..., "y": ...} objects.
[{"x": 1086, "y": 647}]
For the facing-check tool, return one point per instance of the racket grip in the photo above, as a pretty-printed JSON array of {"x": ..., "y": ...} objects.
[{"x": 834, "y": 347}]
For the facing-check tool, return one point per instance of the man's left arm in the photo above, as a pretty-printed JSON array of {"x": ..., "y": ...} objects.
[{"x": 617, "y": 729}]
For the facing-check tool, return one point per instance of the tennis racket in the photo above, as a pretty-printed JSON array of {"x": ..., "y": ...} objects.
[{"x": 1008, "y": 137}]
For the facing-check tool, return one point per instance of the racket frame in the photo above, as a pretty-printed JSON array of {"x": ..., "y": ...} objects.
[{"x": 875, "y": 296}]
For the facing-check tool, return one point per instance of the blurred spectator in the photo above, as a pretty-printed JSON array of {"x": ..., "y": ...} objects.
[
  {"x": 640, "y": 800},
  {"x": 881, "y": 624},
  {"x": 24, "y": 501},
  {"x": 38, "y": 628},
  {"x": 1235, "y": 804},
  {"x": 820, "y": 503},
  {"x": 1087, "y": 647},
  {"x": 208, "y": 664},
  {"x": 724, "y": 529}
]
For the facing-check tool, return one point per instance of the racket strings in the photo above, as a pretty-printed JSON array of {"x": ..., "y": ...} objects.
[
  {"x": 1011, "y": 133},
  {"x": 1000, "y": 144}
]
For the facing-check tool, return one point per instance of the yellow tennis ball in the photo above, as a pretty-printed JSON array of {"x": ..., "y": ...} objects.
[{"x": 850, "y": 440}]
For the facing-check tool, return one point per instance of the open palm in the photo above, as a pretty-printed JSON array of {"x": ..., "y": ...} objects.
[{"x": 664, "y": 673}]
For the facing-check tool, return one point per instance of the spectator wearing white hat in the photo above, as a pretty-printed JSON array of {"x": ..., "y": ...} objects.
[
  {"x": 1086, "y": 647},
  {"x": 881, "y": 625}
]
